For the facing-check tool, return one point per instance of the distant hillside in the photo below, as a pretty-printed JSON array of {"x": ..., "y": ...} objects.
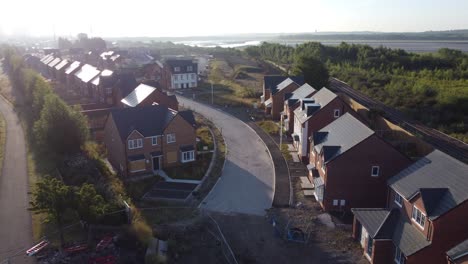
[{"x": 452, "y": 35}]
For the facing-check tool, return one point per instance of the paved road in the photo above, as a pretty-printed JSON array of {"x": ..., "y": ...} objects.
[
  {"x": 15, "y": 219},
  {"x": 247, "y": 183}
]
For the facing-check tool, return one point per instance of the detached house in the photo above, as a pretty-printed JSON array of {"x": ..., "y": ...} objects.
[
  {"x": 270, "y": 83},
  {"x": 180, "y": 74},
  {"x": 275, "y": 104},
  {"x": 142, "y": 140},
  {"x": 425, "y": 220},
  {"x": 350, "y": 165},
  {"x": 292, "y": 101},
  {"x": 313, "y": 114},
  {"x": 148, "y": 95}
]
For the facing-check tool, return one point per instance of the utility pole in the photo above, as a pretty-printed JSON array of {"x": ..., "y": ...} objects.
[{"x": 212, "y": 93}]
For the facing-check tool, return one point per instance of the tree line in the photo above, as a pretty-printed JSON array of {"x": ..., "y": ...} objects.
[{"x": 429, "y": 87}]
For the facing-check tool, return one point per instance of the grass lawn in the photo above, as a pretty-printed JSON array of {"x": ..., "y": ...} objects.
[
  {"x": 193, "y": 170},
  {"x": 166, "y": 215},
  {"x": 286, "y": 154},
  {"x": 269, "y": 127}
]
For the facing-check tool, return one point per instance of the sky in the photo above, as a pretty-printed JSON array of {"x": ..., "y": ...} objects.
[{"x": 176, "y": 18}]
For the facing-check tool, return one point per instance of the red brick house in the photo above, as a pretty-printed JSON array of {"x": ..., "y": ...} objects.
[
  {"x": 100, "y": 86},
  {"x": 293, "y": 101},
  {"x": 275, "y": 104},
  {"x": 270, "y": 84},
  {"x": 145, "y": 95},
  {"x": 425, "y": 216},
  {"x": 51, "y": 67},
  {"x": 179, "y": 74},
  {"x": 143, "y": 140},
  {"x": 350, "y": 165},
  {"x": 313, "y": 114},
  {"x": 458, "y": 254}
]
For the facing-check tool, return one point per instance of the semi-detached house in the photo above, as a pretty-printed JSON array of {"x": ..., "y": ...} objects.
[
  {"x": 313, "y": 114},
  {"x": 142, "y": 140},
  {"x": 350, "y": 165},
  {"x": 292, "y": 101},
  {"x": 425, "y": 218}
]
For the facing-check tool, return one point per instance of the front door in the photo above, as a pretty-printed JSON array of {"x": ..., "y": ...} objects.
[{"x": 156, "y": 163}]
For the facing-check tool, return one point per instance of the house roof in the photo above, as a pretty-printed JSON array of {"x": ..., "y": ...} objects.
[
  {"x": 408, "y": 239},
  {"x": 147, "y": 120},
  {"x": 271, "y": 81},
  {"x": 440, "y": 179},
  {"x": 303, "y": 91},
  {"x": 458, "y": 251},
  {"x": 182, "y": 63},
  {"x": 321, "y": 98},
  {"x": 87, "y": 73},
  {"x": 104, "y": 73},
  {"x": 343, "y": 134},
  {"x": 125, "y": 82},
  {"x": 54, "y": 62},
  {"x": 188, "y": 116},
  {"x": 288, "y": 81},
  {"x": 48, "y": 60},
  {"x": 72, "y": 67},
  {"x": 46, "y": 57},
  {"x": 379, "y": 222},
  {"x": 62, "y": 64},
  {"x": 138, "y": 95}
]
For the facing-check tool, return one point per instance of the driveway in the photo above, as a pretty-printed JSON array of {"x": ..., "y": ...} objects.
[
  {"x": 15, "y": 219},
  {"x": 248, "y": 179}
]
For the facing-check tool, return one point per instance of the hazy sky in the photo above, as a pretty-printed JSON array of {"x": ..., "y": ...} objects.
[{"x": 215, "y": 17}]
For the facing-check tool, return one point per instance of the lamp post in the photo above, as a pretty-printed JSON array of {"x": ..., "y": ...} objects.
[{"x": 212, "y": 93}]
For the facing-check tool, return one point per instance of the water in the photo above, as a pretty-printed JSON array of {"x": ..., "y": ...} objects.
[{"x": 410, "y": 46}]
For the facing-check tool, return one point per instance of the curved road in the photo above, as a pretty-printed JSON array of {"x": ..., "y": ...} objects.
[
  {"x": 248, "y": 180},
  {"x": 15, "y": 219}
]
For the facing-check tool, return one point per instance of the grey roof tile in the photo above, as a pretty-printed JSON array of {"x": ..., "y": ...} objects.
[
  {"x": 322, "y": 98},
  {"x": 87, "y": 73},
  {"x": 147, "y": 120},
  {"x": 408, "y": 239},
  {"x": 62, "y": 64},
  {"x": 72, "y": 67},
  {"x": 372, "y": 218},
  {"x": 435, "y": 171},
  {"x": 271, "y": 81},
  {"x": 458, "y": 251},
  {"x": 346, "y": 132}
]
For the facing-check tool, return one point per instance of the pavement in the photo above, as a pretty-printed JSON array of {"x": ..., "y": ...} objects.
[
  {"x": 15, "y": 219},
  {"x": 247, "y": 184}
]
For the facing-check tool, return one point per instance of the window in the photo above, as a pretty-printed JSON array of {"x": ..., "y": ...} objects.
[
  {"x": 189, "y": 68},
  {"x": 342, "y": 203},
  {"x": 375, "y": 171},
  {"x": 188, "y": 156},
  {"x": 336, "y": 113},
  {"x": 418, "y": 217},
  {"x": 370, "y": 243},
  {"x": 177, "y": 69},
  {"x": 171, "y": 138},
  {"x": 399, "y": 256},
  {"x": 135, "y": 143},
  {"x": 398, "y": 199},
  {"x": 154, "y": 140},
  {"x": 335, "y": 202}
]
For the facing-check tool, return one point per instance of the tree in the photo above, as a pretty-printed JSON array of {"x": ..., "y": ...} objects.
[
  {"x": 54, "y": 198},
  {"x": 89, "y": 204},
  {"x": 314, "y": 71},
  {"x": 60, "y": 129}
]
